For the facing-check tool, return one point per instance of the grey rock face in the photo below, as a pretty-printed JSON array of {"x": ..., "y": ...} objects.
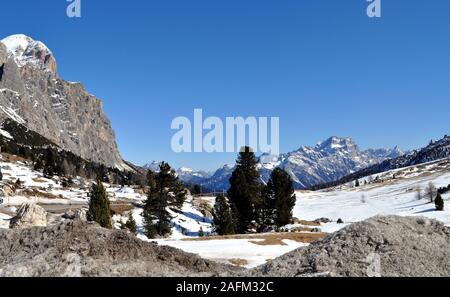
[
  {"x": 29, "y": 215},
  {"x": 77, "y": 248},
  {"x": 32, "y": 94},
  {"x": 3, "y": 54},
  {"x": 382, "y": 246}
]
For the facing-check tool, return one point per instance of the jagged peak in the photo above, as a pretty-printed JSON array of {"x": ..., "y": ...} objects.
[
  {"x": 27, "y": 51},
  {"x": 336, "y": 142}
]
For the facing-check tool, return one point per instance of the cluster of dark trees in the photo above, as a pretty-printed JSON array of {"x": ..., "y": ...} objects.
[
  {"x": 444, "y": 190},
  {"x": 251, "y": 206},
  {"x": 52, "y": 160}
]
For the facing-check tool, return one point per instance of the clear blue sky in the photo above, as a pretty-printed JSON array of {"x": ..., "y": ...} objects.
[{"x": 323, "y": 67}]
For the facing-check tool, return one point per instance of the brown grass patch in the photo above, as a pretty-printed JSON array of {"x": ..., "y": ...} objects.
[
  {"x": 308, "y": 223},
  {"x": 269, "y": 241},
  {"x": 36, "y": 193},
  {"x": 268, "y": 238},
  {"x": 13, "y": 158},
  {"x": 425, "y": 174},
  {"x": 238, "y": 262},
  {"x": 39, "y": 180},
  {"x": 121, "y": 208}
]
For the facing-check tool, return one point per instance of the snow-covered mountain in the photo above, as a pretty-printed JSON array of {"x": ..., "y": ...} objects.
[
  {"x": 191, "y": 176},
  {"x": 435, "y": 150},
  {"x": 26, "y": 51},
  {"x": 152, "y": 166},
  {"x": 187, "y": 175},
  {"x": 328, "y": 161}
]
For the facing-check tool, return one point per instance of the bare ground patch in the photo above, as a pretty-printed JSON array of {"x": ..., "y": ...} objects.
[
  {"x": 269, "y": 238},
  {"x": 238, "y": 262},
  {"x": 121, "y": 208}
]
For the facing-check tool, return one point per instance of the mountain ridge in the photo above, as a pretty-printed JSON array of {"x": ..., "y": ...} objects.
[{"x": 329, "y": 160}]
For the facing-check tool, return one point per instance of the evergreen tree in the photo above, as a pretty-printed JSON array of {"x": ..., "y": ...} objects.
[
  {"x": 268, "y": 210},
  {"x": 223, "y": 217},
  {"x": 197, "y": 190},
  {"x": 165, "y": 189},
  {"x": 151, "y": 179},
  {"x": 201, "y": 233},
  {"x": 49, "y": 166},
  {"x": 131, "y": 223},
  {"x": 245, "y": 190},
  {"x": 99, "y": 206},
  {"x": 38, "y": 164},
  {"x": 279, "y": 198},
  {"x": 439, "y": 202},
  {"x": 357, "y": 184},
  {"x": 1, "y": 174}
]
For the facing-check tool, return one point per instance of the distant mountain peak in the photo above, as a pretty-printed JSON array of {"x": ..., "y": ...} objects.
[{"x": 337, "y": 143}]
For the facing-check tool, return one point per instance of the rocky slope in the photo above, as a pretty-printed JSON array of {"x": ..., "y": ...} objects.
[
  {"x": 77, "y": 248},
  {"x": 32, "y": 93},
  {"x": 382, "y": 246}
]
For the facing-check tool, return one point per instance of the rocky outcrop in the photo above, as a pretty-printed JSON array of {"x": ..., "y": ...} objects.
[
  {"x": 3, "y": 58},
  {"x": 32, "y": 93},
  {"x": 77, "y": 248},
  {"x": 3, "y": 54},
  {"x": 382, "y": 246},
  {"x": 79, "y": 214},
  {"x": 29, "y": 215}
]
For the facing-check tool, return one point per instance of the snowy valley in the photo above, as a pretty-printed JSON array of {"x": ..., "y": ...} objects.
[{"x": 315, "y": 212}]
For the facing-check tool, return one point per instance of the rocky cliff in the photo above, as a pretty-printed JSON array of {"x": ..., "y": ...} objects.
[{"x": 32, "y": 93}]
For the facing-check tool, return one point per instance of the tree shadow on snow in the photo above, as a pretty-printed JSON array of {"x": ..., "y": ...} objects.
[{"x": 425, "y": 211}]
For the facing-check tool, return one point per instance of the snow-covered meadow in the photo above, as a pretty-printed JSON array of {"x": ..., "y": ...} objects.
[{"x": 387, "y": 196}]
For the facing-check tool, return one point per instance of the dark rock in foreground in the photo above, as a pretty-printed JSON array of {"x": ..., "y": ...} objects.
[
  {"x": 381, "y": 246},
  {"x": 84, "y": 249}
]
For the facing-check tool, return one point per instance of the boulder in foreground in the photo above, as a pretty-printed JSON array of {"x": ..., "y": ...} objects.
[{"x": 381, "y": 246}]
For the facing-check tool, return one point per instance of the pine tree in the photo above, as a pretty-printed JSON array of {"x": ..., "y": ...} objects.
[
  {"x": 223, "y": 217},
  {"x": 38, "y": 164},
  {"x": 201, "y": 233},
  {"x": 131, "y": 223},
  {"x": 280, "y": 197},
  {"x": 439, "y": 202},
  {"x": 357, "y": 184},
  {"x": 197, "y": 190},
  {"x": 151, "y": 179},
  {"x": 99, "y": 205},
  {"x": 245, "y": 190},
  {"x": 268, "y": 210},
  {"x": 165, "y": 190},
  {"x": 1, "y": 174}
]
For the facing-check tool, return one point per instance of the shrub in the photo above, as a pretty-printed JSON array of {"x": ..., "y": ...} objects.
[{"x": 439, "y": 203}]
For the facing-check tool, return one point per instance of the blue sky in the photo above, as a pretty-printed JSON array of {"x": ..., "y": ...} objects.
[{"x": 323, "y": 67}]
